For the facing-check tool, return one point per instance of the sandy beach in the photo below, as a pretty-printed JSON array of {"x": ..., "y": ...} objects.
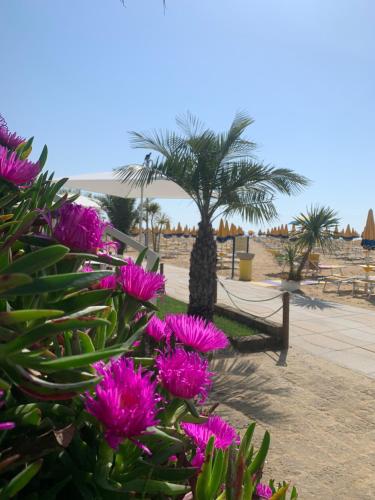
[
  {"x": 320, "y": 416},
  {"x": 267, "y": 271}
]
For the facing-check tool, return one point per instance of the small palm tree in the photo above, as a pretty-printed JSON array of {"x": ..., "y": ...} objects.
[
  {"x": 221, "y": 175},
  {"x": 314, "y": 229},
  {"x": 121, "y": 213}
]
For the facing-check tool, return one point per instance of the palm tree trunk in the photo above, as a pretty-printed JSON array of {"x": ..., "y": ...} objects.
[
  {"x": 202, "y": 282},
  {"x": 303, "y": 264}
]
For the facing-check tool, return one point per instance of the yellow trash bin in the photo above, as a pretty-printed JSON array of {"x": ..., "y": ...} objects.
[{"x": 246, "y": 265}]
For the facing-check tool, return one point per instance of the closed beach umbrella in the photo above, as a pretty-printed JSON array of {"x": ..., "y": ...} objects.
[
  {"x": 348, "y": 234},
  {"x": 368, "y": 235},
  {"x": 179, "y": 231},
  {"x": 221, "y": 234},
  {"x": 226, "y": 230},
  {"x": 167, "y": 232}
]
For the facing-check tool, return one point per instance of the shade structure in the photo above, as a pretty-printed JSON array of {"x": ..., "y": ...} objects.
[
  {"x": 368, "y": 235},
  {"x": 86, "y": 201},
  {"x": 109, "y": 183}
]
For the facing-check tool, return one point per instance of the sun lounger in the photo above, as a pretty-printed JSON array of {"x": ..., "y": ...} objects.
[
  {"x": 367, "y": 284},
  {"x": 337, "y": 280}
]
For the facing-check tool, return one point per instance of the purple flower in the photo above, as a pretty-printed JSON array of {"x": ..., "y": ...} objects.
[
  {"x": 79, "y": 228},
  {"x": 263, "y": 491},
  {"x": 7, "y": 139},
  {"x": 125, "y": 401},
  {"x": 156, "y": 328},
  {"x": 5, "y": 426},
  {"x": 106, "y": 282},
  {"x": 196, "y": 333},
  {"x": 224, "y": 435},
  {"x": 139, "y": 283},
  {"x": 19, "y": 172},
  {"x": 184, "y": 374}
]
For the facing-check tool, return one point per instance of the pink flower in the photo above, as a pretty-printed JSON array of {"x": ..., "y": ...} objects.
[
  {"x": 224, "y": 434},
  {"x": 125, "y": 401},
  {"x": 139, "y": 283},
  {"x": 196, "y": 333},
  {"x": 7, "y": 139},
  {"x": 5, "y": 426},
  {"x": 184, "y": 374},
  {"x": 79, "y": 228},
  {"x": 156, "y": 328},
  {"x": 19, "y": 172},
  {"x": 263, "y": 491},
  {"x": 106, "y": 282}
]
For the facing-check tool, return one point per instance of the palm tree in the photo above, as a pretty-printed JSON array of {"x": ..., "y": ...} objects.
[
  {"x": 151, "y": 209},
  {"x": 314, "y": 229},
  {"x": 221, "y": 175},
  {"x": 121, "y": 213}
]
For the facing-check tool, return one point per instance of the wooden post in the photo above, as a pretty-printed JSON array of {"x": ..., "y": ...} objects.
[
  {"x": 285, "y": 339},
  {"x": 162, "y": 268},
  {"x": 233, "y": 255}
]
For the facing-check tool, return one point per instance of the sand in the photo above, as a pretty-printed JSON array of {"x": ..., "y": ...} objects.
[{"x": 321, "y": 418}]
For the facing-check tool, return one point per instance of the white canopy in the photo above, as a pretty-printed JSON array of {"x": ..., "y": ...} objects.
[
  {"x": 109, "y": 183},
  {"x": 86, "y": 201}
]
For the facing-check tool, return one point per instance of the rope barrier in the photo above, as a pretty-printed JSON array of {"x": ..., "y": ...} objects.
[
  {"x": 246, "y": 312},
  {"x": 248, "y": 300}
]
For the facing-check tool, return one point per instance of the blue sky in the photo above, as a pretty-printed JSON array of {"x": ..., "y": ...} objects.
[{"x": 79, "y": 74}]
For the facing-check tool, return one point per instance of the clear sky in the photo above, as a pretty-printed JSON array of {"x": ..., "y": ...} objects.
[{"x": 79, "y": 74}]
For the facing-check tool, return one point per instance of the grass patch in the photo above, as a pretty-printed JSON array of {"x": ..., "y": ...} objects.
[{"x": 168, "y": 305}]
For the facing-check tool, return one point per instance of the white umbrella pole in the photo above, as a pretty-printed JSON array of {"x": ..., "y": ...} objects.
[{"x": 141, "y": 216}]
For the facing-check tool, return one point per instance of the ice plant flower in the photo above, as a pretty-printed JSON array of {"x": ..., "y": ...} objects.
[
  {"x": 19, "y": 172},
  {"x": 224, "y": 435},
  {"x": 157, "y": 329},
  {"x": 79, "y": 228},
  {"x": 106, "y": 282},
  {"x": 184, "y": 374},
  {"x": 139, "y": 283},
  {"x": 263, "y": 491},
  {"x": 7, "y": 139},
  {"x": 196, "y": 332},
  {"x": 125, "y": 401},
  {"x": 5, "y": 426}
]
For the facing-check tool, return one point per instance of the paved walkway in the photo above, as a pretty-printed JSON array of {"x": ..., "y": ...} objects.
[{"x": 342, "y": 334}]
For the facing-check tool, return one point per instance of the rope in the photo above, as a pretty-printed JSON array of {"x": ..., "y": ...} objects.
[
  {"x": 248, "y": 300},
  {"x": 247, "y": 312}
]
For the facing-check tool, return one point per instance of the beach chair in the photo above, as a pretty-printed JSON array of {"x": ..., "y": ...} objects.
[
  {"x": 336, "y": 280},
  {"x": 368, "y": 286}
]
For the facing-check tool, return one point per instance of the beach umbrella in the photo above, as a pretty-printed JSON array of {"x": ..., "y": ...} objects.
[
  {"x": 284, "y": 233},
  {"x": 193, "y": 232},
  {"x": 226, "y": 229},
  {"x": 167, "y": 232},
  {"x": 347, "y": 235},
  {"x": 368, "y": 235},
  {"x": 336, "y": 232},
  {"x": 222, "y": 234},
  {"x": 179, "y": 231},
  {"x": 186, "y": 232},
  {"x": 232, "y": 231},
  {"x": 110, "y": 183}
]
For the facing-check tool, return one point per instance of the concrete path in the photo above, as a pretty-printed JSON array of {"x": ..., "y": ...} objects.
[{"x": 342, "y": 334}]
